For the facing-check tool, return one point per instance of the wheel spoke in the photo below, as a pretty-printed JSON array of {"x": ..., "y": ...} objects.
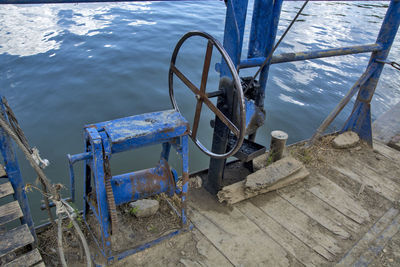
[
  {"x": 222, "y": 117},
  {"x": 203, "y": 86},
  {"x": 185, "y": 80},
  {"x": 206, "y": 66},
  {"x": 196, "y": 120}
]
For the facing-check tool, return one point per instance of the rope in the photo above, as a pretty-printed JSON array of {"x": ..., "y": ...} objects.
[
  {"x": 46, "y": 185},
  {"x": 32, "y": 155},
  {"x": 15, "y": 125},
  {"x": 13, "y": 122},
  {"x": 63, "y": 207},
  {"x": 277, "y": 44}
]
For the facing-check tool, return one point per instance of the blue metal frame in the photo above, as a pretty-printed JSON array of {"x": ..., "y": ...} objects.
[
  {"x": 233, "y": 42},
  {"x": 264, "y": 26},
  {"x": 102, "y": 140},
  {"x": 14, "y": 174}
]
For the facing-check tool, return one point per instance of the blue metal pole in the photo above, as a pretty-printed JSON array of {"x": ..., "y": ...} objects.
[
  {"x": 233, "y": 41},
  {"x": 233, "y": 33},
  {"x": 99, "y": 181},
  {"x": 264, "y": 26},
  {"x": 360, "y": 119},
  {"x": 166, "y": 148},
  {"x": 185, "y": 177},
  {"x": 14, "y": 175}
]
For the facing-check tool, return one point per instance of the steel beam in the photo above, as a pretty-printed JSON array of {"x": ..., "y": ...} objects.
[{"x": 307, "y": 55}]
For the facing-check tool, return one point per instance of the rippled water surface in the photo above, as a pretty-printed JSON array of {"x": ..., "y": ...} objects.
[{"x": 63, "y": 66}]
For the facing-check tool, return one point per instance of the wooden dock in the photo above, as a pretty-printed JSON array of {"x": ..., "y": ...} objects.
[
  {"x": 17, "y": 246},
  {"x": 346, "y": 213}
]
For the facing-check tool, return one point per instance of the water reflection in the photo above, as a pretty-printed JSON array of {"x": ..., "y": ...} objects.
[{"x": 30, "y": 30}]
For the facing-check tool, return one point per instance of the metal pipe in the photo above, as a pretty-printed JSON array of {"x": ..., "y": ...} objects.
[
  {"x": 73, "y": 159},
  {"x": 78, "y": 157},
  {"x": 306, "y": 55},
  {"x": 345, "y": 100}
]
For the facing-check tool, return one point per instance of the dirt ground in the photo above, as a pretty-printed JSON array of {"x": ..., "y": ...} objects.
[
  {"x": 390, "y": 255},
  {"x": 132, "y": 232},
  {"x": 193, "y": 248}
]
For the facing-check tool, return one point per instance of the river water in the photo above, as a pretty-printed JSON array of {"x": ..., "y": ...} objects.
[{"x": 64, "y": 66}]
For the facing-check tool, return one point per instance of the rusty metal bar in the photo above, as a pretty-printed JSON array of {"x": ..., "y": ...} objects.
[
  {"x": 214, "y": 94},
  {"x": 306, "y": 55},
  {"x": 207, "y": 101},
  {"x": 345, "y": 100},
  {"x": 204, "y": 78}
]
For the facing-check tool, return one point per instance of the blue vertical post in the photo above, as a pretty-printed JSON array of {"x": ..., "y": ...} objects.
[
  {"x": 233, "y": 42},
  {"x": 100, "y": 186},
  {"x": 14, "y": 175},
  {"x": 185, "y": 177},
  {"x": 360, "y": 119},
  {"x": 264, "y": 25},
  {"x": 166, "y": 148}
]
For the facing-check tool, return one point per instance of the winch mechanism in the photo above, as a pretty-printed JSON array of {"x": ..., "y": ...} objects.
[{"x": 103, "y": 192}]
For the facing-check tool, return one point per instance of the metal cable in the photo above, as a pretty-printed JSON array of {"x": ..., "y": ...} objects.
[{"x": 394, "y": 64}]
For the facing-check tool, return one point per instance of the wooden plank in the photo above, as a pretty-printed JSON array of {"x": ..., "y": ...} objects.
[
  {"x": 352, "y": 255},
  {"x": 365, "y": 170},
  {"x": 2, "y": 171},
  {"x": 387, "y": 125},
  {"x": 268, "y": 176},
  {"x": 212, "y": 256},
  {"x": 10, "y": 212},
  {"x": 6, "y": 189},
  {"x": 395, "y": 142},
  {"x": 26, "y": 260},
  {"x": 315, "y": 207},
  {"x": 233, "y": 234},
  {"x": 317, "y": 210},
  {"x": 336, "y": 197},
  {"x": 15, "y": 239},
  {"x": 234, "y": 193},
  {"x": 386, "y": 151},
  {"x": 41, "y": 264},
  {"x": 283, "y": 237},
  {"x": 299, "y": 224},
  {"x": 375, "y": 184},
  {"x": 376, "y": 247}
]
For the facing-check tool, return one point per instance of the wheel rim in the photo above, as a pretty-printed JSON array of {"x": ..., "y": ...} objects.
[{"x": 202, "y": 97}]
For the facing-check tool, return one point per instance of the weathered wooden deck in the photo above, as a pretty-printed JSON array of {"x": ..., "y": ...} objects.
[
  {"x": 16, "y": 242},
  {"x": 345, "y": 213}
]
